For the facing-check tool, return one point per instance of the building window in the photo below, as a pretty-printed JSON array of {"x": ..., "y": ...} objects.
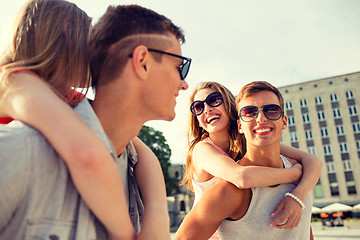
[
  {"x": 303, "y": 102},
  {"x": 333, "y": 97},
  {"x": 293, "y": 137},
  {"x": 291, "y": 120},
  {"x": 308, "y": 135},
  {"x": 347, "y": 165},
  {"x": 306, "y": 118},
  {"x": 356, "y": 127},
  {"x": 330, "y": 167},
  {"x": 358, "y": 145},
  {"x": 336, "y": 113},
  {"x": 339, "y": 130},
  {"x": 343, "y": 148},
  {"x": 318, "y": 100},
  {"x": 352, "y": 190},
  {"x": 288, "y": 106},
  {"x": 324, "y": 132},
  {"x": 353, "y": 110},
  {"x": 334, "y": 189},
  {"x": 321, "y": 115},
  {"x": 182, "y": 206},
  {"x": 349, "y": 94},
  {"x": 311, "y": 150},
  {"x": 327, "y": 149}
]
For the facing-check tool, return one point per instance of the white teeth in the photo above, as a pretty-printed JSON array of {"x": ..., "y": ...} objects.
[
  {"x": 262, "y": 130},
  {"x": 212, "y": 118}
]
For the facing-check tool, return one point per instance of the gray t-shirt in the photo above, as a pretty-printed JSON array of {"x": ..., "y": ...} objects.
[
  {"x": 255, "y": 224},
  {"x": 38, "y": 199}
]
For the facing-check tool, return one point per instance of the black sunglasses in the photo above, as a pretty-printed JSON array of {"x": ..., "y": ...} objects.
[
  {"x": 183, "y": 68},
  {"x": 213, "y": 100},
  {"x": 271, "y": 111}
]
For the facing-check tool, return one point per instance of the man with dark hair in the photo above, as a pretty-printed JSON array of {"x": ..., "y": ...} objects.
[
  {"x": 138, "y": 72},
  {"x": 246, "y": 213}
]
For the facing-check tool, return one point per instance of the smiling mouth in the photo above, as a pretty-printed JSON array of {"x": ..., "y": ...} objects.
[
  {"x": 262, "y": 130},
  {"x": 211, "y": 119}
]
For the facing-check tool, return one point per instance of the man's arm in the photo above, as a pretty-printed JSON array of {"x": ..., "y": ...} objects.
[
  {"x": 219, "y": 201},
  {"x": 156, "y": 223}
]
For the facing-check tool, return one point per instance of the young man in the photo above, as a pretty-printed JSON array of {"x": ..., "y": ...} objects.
[
  {"x": 138, "y": 72},
  {"x": 246, "y": 213},
  {"x": 132, "y": 88}
]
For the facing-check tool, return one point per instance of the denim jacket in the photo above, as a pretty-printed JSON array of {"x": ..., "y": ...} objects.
[{"x": 37, "y": 197}]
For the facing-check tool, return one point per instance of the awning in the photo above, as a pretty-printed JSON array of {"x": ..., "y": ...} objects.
[{"x": 336, "y": 207}]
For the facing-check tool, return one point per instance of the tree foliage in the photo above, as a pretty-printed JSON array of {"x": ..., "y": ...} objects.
[{"x": 156, "y": 141}]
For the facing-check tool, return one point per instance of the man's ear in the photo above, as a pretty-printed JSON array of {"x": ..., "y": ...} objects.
[
  {"x": 140, "y": 61},
  {"x": 285, "y": 120},
  {"x": 239, "y": 127}
]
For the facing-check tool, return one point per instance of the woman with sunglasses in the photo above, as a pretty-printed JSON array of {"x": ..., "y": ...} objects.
[
  {"x": 215, "y": 145},
  {"x": 46, "y": 60}
]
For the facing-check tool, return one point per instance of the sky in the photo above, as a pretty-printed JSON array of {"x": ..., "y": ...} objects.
[{"x": 234, "y": 42}]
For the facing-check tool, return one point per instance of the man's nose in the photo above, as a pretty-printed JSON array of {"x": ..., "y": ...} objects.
[
  {"x": 261, "y": 117},
  {"x": 183, "y": 85}
]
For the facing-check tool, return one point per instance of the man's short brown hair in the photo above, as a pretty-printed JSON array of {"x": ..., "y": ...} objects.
[
  {"x": 252, "y": 88},
  {"x": 127, "y": 26}
]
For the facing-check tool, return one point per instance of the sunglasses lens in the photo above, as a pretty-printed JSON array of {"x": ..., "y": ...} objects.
[
  {"x": 184, "y": 69},
  {"x": 272, "y": 111},
  {"x": 248, "y": 113},
  {"x": 214, "y": 99},
  {"x": 197, "y": 107}
]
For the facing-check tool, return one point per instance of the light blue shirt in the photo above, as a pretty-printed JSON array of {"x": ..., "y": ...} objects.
[{"x": 37, "y": 197}]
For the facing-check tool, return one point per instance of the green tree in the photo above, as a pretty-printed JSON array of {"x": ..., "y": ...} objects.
[{"x": 156, "y": 141}]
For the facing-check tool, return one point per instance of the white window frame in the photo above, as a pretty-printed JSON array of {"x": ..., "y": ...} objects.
[
  {"x": 324, "y": 132},
  {"x": 340, "y": 130},
  {"x": 349, "y": 94},
  {"x": 288, "y": 105},
  {"x": 330, "y": 166},
  {"x": 333, "y": 97},
  {"x": 303, "y": 102},
  {"x": 353, "y": 111},
  {"x": 327, "y": 149},
  {"x": 293, "y": 137},
  {"x": 291, "y": 120},
  {"x": 311, "y": 150},
  {"x": 318, "y": 100},
  {"x": 306, "y": 118},
  {"x": 356, "y": 127},
  {"x": 337, "y": 113},
  {"x": 308, "y": 135},
  {"x": 347, "y": 165},
  {"x": 343, "y": 147},
  {"x": 321, "y": 115}
]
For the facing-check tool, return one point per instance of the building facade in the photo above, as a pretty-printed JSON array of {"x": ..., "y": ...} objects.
[
  {"x": 323, "y": 119},
  {"x": 179, "y": 203}
]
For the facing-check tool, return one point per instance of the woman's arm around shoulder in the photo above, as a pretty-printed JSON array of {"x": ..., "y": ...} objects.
[
  {"x": 208, "y": 158},
  {"x": 93, "y": 170}
]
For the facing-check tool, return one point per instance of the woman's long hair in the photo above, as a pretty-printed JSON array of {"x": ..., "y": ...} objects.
[
  {"x": 196, "y": 133},
  {"x": 50, "y": 39}
]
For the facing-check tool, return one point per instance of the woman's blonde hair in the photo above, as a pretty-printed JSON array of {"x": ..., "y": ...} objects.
[
  {"x": 196, "y": 133},
  {"x": 51, "y": 40}
]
